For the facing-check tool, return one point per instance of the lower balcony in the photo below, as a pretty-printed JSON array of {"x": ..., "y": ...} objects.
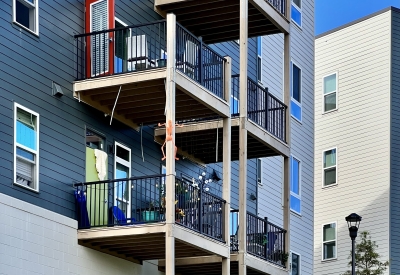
[
  {"x": 126, "y": 218},
  {"x": 201, "y": 139},
  {"x": 265, "y": 247}
]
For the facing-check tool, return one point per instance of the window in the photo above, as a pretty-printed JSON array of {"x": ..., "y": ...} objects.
[
  {"x": 329, "y": 160},
  {"x": 329, "y": 241},
  {"x": 26, "y": 147},
  {"x": 295, "y": 264},
  {"x": 259, "y": 59},
  {"x": 296, "y": 12},
  {"x": 122, "y": 170},
  {"x": 330, "y": 91},
  {"x": 295, "y": 181},
  {"x": 259, "y": 171},
  {"x": 26, "y": 14},
  {"x": 295, "y": 103}
]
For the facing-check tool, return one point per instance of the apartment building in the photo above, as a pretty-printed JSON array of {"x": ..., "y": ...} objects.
[
  {"x": 125, "y": 149},
  {"x": 356, "y": 137}
]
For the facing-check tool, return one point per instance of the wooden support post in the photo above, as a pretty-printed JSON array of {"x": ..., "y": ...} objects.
[
  {"x": 286, "y": 164},
  {"x": 243, "y": 135},
  {"x": 226, "y": 163},
  {"x": 170, "y": 148}
]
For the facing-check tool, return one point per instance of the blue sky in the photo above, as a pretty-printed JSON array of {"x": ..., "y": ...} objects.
[{"x": 330, "y": 14}]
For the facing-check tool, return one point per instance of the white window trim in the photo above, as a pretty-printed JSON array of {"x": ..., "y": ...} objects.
[
  {"x": 35, "y": 152},
  {"x": 323, "y": 169},
  {"x": 298, "y": 254},
  {"x": 294, "y": 194},
  {"x": 336, "y": 91},
  {"x": 301, "y": 14},
  {"x": 127, "y": 164},
  {"x": 300, "y": 104},
  {"x": 260, "y": 183},
  {"x": 259, "y": 56},
  {"x": 322, "y": 239},
  {"x": 36, "y": 7}
]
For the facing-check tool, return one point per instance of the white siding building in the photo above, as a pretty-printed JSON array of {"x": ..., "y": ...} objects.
[{"x": 356, "y": 140}]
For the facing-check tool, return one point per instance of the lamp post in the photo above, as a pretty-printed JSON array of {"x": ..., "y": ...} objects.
[{"x": 353, "y": 222}]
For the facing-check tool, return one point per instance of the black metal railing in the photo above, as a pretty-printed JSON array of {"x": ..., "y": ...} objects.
[
  {"x": 263, "y": 239},
  {"x": 262, "y": 107},
  {"x": 139, "y": 200},
  {"x": 141, "y": 47},
  {"x": 279, "y": 5},
  {"x": 199, "y": 61}
]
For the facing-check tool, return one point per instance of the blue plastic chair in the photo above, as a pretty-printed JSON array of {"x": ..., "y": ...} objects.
[{"x": 119, "y": 217}]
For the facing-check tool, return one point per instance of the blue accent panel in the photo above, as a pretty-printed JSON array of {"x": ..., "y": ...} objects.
[
  {"x": 26, "y": 135},
  {"x": 296, "y": 15},
  {"x": 295, "y": 204},
  {"x": 295, "y": 110}
]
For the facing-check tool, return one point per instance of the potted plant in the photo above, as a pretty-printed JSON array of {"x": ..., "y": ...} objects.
[{"x": 152, "y": 212}]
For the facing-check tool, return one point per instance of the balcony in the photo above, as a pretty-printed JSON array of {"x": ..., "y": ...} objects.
[
  {"x": 265, "y": 247},
  {"x": 201, "y": 140},
  {"x": 126, "y": 218},
  {"x": 218, "y": 20},
  {"x": 122, "y": 72}
]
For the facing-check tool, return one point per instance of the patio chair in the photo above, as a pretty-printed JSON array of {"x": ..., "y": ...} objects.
[
  {"x": 138, "y": 54},
  {"x": 119, "y": 217}
]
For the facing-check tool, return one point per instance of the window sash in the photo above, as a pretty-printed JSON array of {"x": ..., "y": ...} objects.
[
  {"x": 296, "y": 83},
  {"x": 295, "y": 188},
  {"x": 329, "y": 239},
  {"x": 33, "y": 13}
]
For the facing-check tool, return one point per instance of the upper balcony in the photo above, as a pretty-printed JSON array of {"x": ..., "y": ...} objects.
[
  {"x": 218, "y": 20},
  {"x": 126, "y": 218},
  {"x": 122, "y": 72},
  {"x": 201, "y": 140}
]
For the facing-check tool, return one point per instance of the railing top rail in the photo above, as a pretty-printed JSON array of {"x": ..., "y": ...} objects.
[
  {"x": 120, "y": 28},
  {"x": 116, "y": 180},
  {"x": 196, "y": 38},
  {"x": 278, "y": 227},
  {"x": 216, "y": 197},
  {"x": 255, "y": 216}
]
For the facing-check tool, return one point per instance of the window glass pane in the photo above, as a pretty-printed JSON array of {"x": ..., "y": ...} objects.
[
  {"x": 122, "y": 188},
  {"x": 330, "y": 158},
  {"x": 259, "y": 172},
  {"x": 297, "y": 2},
  {"x": 259, "y": 69},
  {"x": 259, "y": 45},
  {"x": 295, "y": 110},
  {"x": 296, "y": 15},
  {"x": 330, "y": 176},
  {"x": 294, "y": 186},
  {"x": 122, "y": 153},
  {"x": 330, "y": 102},
  {"x": 234, "y": 106},
  {"x": 234, "y": 223},
  {"x": 329, "y": 232},
  {"x": 295, "y": 264},
  {"x": 22, "y": 14},
  {"x": 296, "y": 87},
  {"x": 295, "y": 203},
  {"x": 25, "y": 154},
  {"x": 26, "y": 135},
  {"x": 330, "y": 250},
  {"x": 330, "y": 83}
]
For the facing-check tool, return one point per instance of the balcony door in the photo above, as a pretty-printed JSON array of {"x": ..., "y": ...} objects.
[
  {"x": 100, "y": 50},
  {"x": 122, "y": 190}
]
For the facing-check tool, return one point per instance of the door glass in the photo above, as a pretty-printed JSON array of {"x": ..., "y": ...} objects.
[{"x": 122, "y": 188}]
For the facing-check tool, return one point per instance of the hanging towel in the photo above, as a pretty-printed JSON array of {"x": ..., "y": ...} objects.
[{"x": 101, "y": 160}]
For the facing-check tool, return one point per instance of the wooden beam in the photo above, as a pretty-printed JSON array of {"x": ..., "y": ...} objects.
[{"x": 194, "y": 260}]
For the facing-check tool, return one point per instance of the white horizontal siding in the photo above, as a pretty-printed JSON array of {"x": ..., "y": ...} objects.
[{"x": 360, "y": 129}]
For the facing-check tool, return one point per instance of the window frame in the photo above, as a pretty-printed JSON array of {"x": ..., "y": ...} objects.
[
  {"x": 126, "y": 164},
  {"x": 35, "y": 152},
  {"x": 259, "y": 60},
  {"x": 323, "y": 168},
  {"x": 291, "y": 261},
  {"x": 34, "y": 6},
  {"x": 300, "y": 10},
  {"x": 322, "y": 241},
  {"x": 298, "y": 196},
  {"x": 259, "y": 170},
  {"x": 299, "y": 104},
  {"x": 336, "y": 91}
]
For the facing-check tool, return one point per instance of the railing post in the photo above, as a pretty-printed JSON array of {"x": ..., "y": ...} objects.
[
  {"x": 266, "y": 236},
  {"x": 266, "y": 108},
  {"x": 201, "y": 210},
  {"x": 200, "y": 60}
]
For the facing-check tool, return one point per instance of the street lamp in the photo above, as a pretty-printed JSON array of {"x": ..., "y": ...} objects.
[{"x": 353, "y": 222}]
